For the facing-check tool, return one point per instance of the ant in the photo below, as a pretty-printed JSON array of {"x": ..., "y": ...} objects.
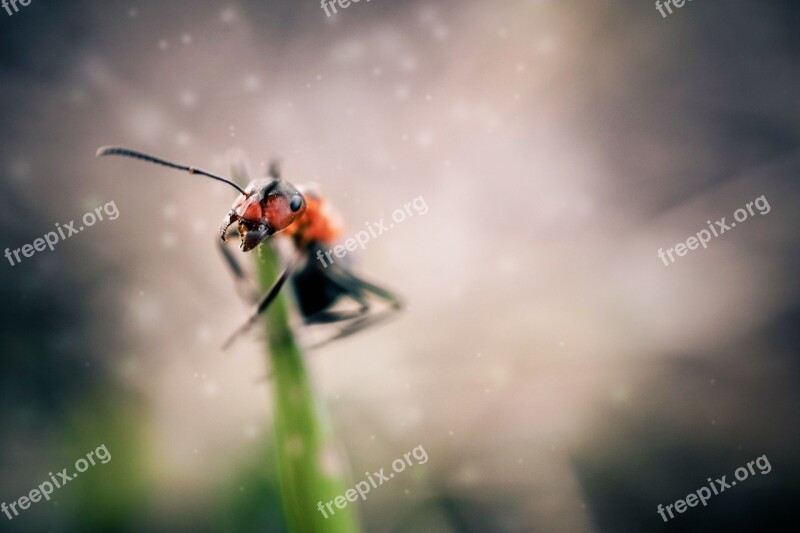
[{"x": 270, "y": 206}]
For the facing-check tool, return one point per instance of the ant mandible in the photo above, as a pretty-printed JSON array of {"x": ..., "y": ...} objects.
[{"x": 270, "y": 206}]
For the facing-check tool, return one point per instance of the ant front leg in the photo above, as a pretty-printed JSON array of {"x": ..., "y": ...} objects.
[
  {"x": 245, "y": 286},
  {"x": 267, "y": 299}
]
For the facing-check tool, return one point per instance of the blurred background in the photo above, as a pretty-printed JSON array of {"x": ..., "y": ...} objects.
[{"x": 560, "y": 377}]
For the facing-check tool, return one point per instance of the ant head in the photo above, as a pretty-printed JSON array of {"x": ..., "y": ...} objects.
[{"x": 266, "y": 207}]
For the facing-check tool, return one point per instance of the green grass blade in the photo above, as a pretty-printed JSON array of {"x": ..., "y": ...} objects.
[{"x": 303, "y": 446}]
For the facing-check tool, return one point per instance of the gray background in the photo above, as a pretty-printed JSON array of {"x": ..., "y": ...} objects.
[{"x": 560, "y": 377}]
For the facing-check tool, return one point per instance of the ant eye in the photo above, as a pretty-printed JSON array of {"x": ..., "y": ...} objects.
[{"x": 296, "y": 203}]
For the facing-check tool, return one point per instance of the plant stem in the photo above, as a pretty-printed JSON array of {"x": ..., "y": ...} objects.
[{"x": 306, "y": 457}]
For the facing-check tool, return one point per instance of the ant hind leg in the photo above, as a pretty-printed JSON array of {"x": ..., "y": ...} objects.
[{"x": 360, "y": 319}]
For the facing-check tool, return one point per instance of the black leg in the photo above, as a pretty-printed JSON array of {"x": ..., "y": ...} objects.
[
  {"x": 274, "y": 169},
  {"x": 239, "y": 172},
  {"x": 244, "y": 284},
  {"x": 332, "y": 317},
  {"x": 357, "y": 320},
  {"x": 359, "y": 324},
  {"x": 268, "y": 298}
]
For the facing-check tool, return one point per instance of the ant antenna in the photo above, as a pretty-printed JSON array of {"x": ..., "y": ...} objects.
[{"x": 115, "y": 150}]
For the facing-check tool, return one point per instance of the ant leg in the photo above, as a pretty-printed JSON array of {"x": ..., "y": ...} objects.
[
  {"x": 364, "y": 286},
  {"x": 360, "y": 319},
  {"x": 355, "y": 325},
  {"x": 244, "y": 285},
  {"x": 331, "y": 317},
  {"x": 239, "y": 172},
  {"x": 268, "y": 298},
  {"x": 274, "y": 169}
]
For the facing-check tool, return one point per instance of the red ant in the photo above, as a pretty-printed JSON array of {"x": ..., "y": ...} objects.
[{"x": 270, "y": 206}]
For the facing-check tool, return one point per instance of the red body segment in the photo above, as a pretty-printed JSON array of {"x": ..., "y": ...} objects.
[{"x": 318, "y": 224}]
